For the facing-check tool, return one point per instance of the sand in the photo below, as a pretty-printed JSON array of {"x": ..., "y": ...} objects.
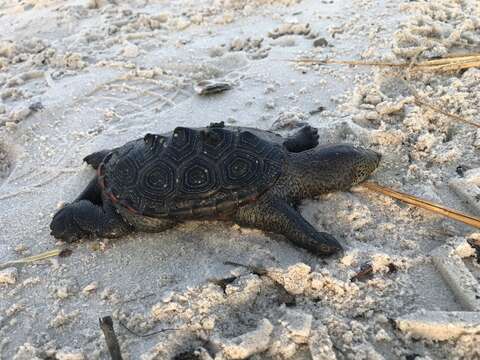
[{"x": 79, "y": 76}]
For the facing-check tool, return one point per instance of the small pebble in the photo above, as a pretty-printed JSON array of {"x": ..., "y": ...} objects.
[
  {"x": 20, "y": 114},
  {"x": 382, "y": 335},
  {"x": 91, "y": 4},
  {"x": 90, "y": 288},
  {"x": 8, "y": 276},
  {"x": 207, "y": 87},
  {"x": 182, "y": 24},
  {"x": 36, "y": 106},
  {"x": 161, "y": 17},
  {"x": 131, "y": 51},
  {"x": 320, "y": 42},
  {"x": 373, "y": 99},
  {"x": 62, "y": 292},
  {"x": 20, "y": 248},
  {"x": 299, "y": 325}
]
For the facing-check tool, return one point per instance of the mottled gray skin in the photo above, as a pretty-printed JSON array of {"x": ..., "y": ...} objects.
[{"x": 308, "y": 170}]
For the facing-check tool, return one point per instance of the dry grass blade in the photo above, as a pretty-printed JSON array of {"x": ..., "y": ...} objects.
[
  {"x": 424, "y": 204},
  {"x": 350, "y": 62},
  {"x": 106, "y": 324},
  {"x": 453, "y": 59},
  {"x": 452, "y": 66},
  {"x": 34, "y": 258},
  {"x": 450, "y": 115},
  {"x": 446, "y": 64}
]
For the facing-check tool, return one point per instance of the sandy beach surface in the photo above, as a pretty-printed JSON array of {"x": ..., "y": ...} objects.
[{"x": 80, "y": 76}]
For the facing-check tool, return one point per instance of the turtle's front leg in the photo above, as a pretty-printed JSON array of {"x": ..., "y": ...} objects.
[
  {"x": 96, "y": 158},
  {"x": 88, "y": 215},
  {"x": 304, "y": 139},
  {"x": 84, "y": 219},
  {"x": 276, "y": 215}
]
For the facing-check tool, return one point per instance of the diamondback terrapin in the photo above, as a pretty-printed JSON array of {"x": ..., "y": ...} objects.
[{"x": 249, "y": 176}]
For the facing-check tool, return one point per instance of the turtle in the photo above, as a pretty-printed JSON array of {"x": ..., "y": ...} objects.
[{"x": 255, "y": 178}]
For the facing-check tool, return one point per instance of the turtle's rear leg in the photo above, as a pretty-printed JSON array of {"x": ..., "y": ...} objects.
[
  {"x": 276, "y": 215},
  {"x": 95, "y": 159},
  {"x": 88, "y": 215},
  {"x": 304, "y": 139}
]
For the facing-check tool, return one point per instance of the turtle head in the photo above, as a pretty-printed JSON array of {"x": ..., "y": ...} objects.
[
  {"x": 364, "y": 162},
  {"x": 348, "y": 165},
  {"x": 331, "y": 168}
]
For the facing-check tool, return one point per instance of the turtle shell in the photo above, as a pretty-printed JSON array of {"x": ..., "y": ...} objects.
[{"x": 191, "y": 173}]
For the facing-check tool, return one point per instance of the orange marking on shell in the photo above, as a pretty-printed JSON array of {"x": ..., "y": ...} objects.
[
  {"x": 112, "y": 197},
  {"x": 101, "y": 176},
  {"x": 129, "y": 208}
]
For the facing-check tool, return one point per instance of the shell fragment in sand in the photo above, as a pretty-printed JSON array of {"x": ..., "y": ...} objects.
[
  {"x": 439, "y": 325},
  {"x": 8, "y": 276},
  {"x": 299, "y": 325},
  {"x": 248, "y": 344},
  {"x": 207, "y": 87},
  {"x": 468, "y": 189},
  {"x": 455, "y": 273}
]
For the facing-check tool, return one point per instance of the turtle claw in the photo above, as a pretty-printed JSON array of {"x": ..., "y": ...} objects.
[
  {"x": 304, "y": 139},
  {"x": 64, "y": 227},
  {"x": 96, "y": 158},
  {"x": 309, "y": 136}
]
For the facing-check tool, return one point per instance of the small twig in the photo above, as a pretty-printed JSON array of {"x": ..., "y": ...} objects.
[
  {"x": 223, "y": 282},
  {"x": 145, "y": 335},
  {"x": 420, "y": 102},
  {"x": 443, "y": 112},
  {"x": 30, "y": 259},
  {"x": 424, "y": 204},
  {"x": 450, "y": 63},
  {"x": 106, "y": 324},
  {"x": 365, "y": 270},
  {"x": 318, "y": 110},
  {"x": 134, "y": 332},
  {"x": 350, "y": 62}
]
